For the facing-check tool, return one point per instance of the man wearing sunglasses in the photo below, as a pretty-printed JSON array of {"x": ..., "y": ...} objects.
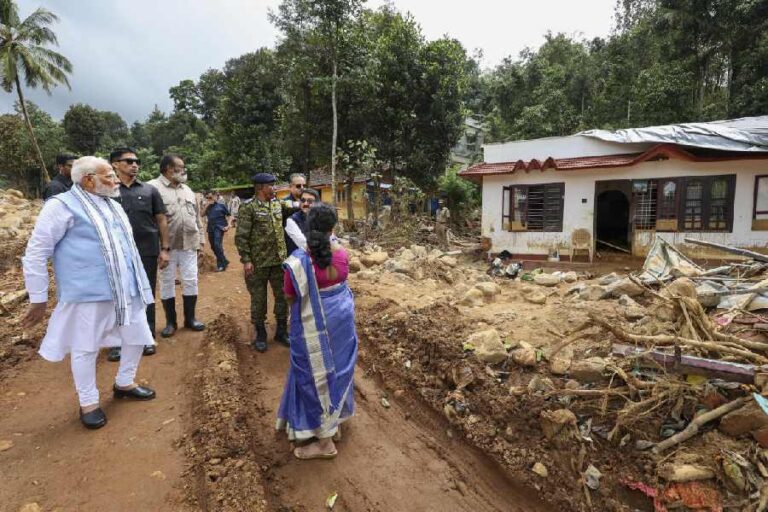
[
  {"x": 146, "y": 213},
  {"x": 296, "y": 225}
]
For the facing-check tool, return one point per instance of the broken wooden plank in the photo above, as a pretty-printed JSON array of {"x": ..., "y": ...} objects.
[
  {"x": 612, "y": 246},
  {"x": 727, "y": 248},
  {"x": 710, "y": 368}
]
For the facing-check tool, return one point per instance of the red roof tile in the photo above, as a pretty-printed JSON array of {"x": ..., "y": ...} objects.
[{"x": 659, "y": 152}]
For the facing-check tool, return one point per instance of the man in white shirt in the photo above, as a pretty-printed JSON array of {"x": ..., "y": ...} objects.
[{"x": 101, "y": 285}]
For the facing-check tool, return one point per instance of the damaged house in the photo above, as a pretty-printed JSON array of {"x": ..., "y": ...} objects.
[{"x": 707, "y": 181}]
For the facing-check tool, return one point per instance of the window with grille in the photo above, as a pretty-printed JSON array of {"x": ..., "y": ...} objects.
[
  {"x": 533, "y": 207},
  {"x": 644, "y": 192},
  {"x": 760, "y": 208},
  {"x": 697, "y": 203}
]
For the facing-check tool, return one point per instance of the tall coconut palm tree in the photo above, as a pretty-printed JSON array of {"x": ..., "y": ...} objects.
[{"x": 23, "y": 51}]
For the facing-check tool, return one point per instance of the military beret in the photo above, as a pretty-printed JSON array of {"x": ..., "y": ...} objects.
[{"x": 261, "y": 178}]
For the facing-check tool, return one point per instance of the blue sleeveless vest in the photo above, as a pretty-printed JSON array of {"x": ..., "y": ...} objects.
[{"x": 79, "y": 264}]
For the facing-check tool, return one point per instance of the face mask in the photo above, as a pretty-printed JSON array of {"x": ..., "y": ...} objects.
[{"x": 179, "y": 177}]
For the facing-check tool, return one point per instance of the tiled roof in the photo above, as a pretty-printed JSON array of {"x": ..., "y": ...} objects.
[{"x": 659, "y": 152}]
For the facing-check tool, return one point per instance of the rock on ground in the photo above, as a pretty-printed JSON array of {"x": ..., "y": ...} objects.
[
  {"x": 374, "y": 258},
  {"x": 624, "y": 287},
  {"x": 546, "y": 280},
  {"x": 588, "y": 370},
  {"x": 488, "y": 346}
]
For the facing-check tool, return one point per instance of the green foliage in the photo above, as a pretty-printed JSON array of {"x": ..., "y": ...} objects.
[
  {"x": 90, "y": 131},
  {"x": 24, "y": 53},
  {"x": 462, "y": 195}
]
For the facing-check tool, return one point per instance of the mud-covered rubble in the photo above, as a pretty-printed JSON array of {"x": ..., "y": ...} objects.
[
  {"x": 17, "y": 219},
  {"x": 536, "y": 372},
  {"x": 224, "y": 474}
]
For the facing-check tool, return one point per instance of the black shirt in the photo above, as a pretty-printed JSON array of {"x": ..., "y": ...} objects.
[
  {"x": 57, "y": 185},
  {"x": 141, "y": 203}
]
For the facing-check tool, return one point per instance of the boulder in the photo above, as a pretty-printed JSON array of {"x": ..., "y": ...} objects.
[
  {"x": 546, "y": 280},
  {"x": 374, "y": 258},
  {"x": 473, "y": 297},
  {"x": 535, "y": 297},
  {"x": 557, "y": 424},
  {"x": 681, "y": 287},
  {"x": 540, "y": 469},
  {"x": 593, "y": 292},
  {"x": 419, "y": 251},
  {"x": 588, "y": 370},
  {"x": 524, "y": 356},
  {"x": 355, "y": 265},
  {"x": 570, "y": 277},
  {"x": 744, "y": 420},
  {"x": 367, "y": 275},
  {"x": 608, "y": 279},
  {"x": 488, "y": 289},
  {"x": 406, "y": 255},
  {"x": 631, "y": 309},
  {"x": 560, "y": 364},
  {"x": 624, "y": 287},
  {"x": 488, "y": 346},
  {"x": 449, "y": 261}
]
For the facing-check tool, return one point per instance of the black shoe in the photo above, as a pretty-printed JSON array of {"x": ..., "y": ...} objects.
[
  {"x": 190, "y": 301},
  {"x": 169, "y": 305},
  {"x": 114, "y": 354},
  {"x": 137, "y": 393},
  {"x": 149, "y": 350},
  {"x": 94, "y": 419},
  {"x": 281, "y": 333},
  {"x": 259, "y": 342},
  {"x": 220, "y": 269}
]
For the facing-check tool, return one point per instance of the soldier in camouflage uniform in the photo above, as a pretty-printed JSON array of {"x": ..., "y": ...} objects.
[{"x": 259, "y": 240}]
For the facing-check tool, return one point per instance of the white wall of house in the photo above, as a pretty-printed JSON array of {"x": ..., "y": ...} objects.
[
  {"x": 580, "y": 185},
  {"x": 557, "y": 147}
]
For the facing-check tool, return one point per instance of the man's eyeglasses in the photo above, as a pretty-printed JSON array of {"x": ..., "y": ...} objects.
[
  {"x": 300, "y": 186},
  {"x": 131, "y": 161},
  {"x": 307, "y": 201}
]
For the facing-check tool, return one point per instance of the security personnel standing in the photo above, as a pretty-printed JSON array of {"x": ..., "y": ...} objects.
[{"x": 259, "y": 240}]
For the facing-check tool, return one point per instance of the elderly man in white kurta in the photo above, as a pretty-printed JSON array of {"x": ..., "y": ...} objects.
[{"x": 101, "y": 285}]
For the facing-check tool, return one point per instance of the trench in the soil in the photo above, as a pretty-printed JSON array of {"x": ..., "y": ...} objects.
[{"x": 405, "y": 457}]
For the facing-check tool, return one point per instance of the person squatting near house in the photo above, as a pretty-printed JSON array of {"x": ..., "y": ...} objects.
[
  {"x": 260, "y": 242},
  {"x": 146, "y": 213},
  {"x": 101, "y": 285},
  {"x": 62, "y": 182},
  {"x": 186, "y": 239},
  {"x": 217, "y": 214},
  {"x": 296, "y": 225},
  {"x": 318, "y": 394}
]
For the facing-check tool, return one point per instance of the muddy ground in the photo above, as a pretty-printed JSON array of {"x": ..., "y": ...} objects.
[{"x": 208, "y": 441}]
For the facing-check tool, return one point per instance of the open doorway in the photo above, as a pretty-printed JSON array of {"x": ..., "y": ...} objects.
[{"x": 612, "y": 208}]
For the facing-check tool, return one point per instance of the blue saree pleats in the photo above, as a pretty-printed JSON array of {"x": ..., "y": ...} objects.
[{"x": 318, "y": 392}]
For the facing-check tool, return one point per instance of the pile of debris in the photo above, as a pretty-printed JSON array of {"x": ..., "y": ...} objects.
[
  {"x": 17, "y": 219},
  {"x": 656, "y": 387}
]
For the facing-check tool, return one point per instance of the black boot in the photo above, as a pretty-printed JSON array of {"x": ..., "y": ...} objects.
[
  {"x": 190, "y": 301},
  {"x": 281, "y": 333},
  {"x": 169, "y": 305},
  {"x": 150, "y": 349},
  {"x": 259, "y": 342}
]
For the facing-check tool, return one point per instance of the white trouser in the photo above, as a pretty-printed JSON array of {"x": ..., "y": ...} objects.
[
  {"x": 186, "y": 262},
  {"x": 84, "y": 372}
]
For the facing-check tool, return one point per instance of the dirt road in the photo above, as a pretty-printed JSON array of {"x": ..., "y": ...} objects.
[{"x": 390, "y": 459}]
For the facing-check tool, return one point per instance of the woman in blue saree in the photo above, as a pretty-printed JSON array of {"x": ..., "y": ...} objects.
[{"x": 318, "y": 393}]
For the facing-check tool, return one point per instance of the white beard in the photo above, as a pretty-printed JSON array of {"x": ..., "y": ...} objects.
[{"x": 106, "y": 191}]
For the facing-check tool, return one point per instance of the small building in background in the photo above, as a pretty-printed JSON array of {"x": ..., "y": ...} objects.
[{"x": 707, "y": 181}]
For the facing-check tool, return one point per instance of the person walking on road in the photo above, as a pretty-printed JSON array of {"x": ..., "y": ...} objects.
[
  {"x": 234, "y": 207},
  {"x": 261, "y": 244},
  {"x": 185, "y": 240},
  {"x": 318, "y": 394},
  {"x": 146, "y": 213},
  {"x": 217, "y": 214},
  {"x": 101, "y": 285}
]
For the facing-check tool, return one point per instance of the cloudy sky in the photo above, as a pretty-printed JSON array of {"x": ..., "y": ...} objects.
[{"x": 127, "y": 53}]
